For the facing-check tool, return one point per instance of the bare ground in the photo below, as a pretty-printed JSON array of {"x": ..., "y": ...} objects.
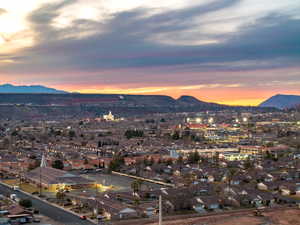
[{"x": 282, "y": 217}]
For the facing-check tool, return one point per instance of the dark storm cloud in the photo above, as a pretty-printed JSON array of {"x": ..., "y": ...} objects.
[{"x": 125, "y": 42}]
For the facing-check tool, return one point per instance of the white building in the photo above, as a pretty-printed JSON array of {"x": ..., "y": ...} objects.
[
  {"x": 109, "y": 117},
  {"x": 174, "y": 154}
]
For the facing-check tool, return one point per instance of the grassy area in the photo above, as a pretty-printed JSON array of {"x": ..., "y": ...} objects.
[
  {"x": 12, "y": 182},
  {"x": 297, "y": 197},
  {"x": 29, "y": 188},
  {"x": 106, "y": 188}
]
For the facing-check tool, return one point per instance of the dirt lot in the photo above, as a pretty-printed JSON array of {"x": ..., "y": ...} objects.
[
  {"x": 282, "y": 217},
  {"x": 286, "y": 217}
]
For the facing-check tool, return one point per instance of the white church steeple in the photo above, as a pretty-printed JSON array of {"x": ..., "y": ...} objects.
[{"x": 43, "y": 161}]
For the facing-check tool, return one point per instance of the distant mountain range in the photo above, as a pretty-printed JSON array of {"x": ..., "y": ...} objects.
[
  {"x": 282, "y": 101},
  {"x": 31, "y": 89},
  {"x": 49, "y": 105},
  {"x": 26, "y": 102}
]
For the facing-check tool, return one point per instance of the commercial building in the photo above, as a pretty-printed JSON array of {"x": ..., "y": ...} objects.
[{"x": 54, "y": 179}]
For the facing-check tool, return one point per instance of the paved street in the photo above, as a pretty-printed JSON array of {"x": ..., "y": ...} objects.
[
  {"x": 44, "y": 220},
  {"x": 60, "y": 216}
]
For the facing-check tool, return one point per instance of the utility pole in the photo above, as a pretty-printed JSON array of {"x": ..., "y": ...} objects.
[
  {"x": 97, "y": 203},
  {"x": 40, "y": 181},
  {"x": 20, "y": 179},
  {"x": 98, "y": 156},
  {"x": 160, "y": 211}
]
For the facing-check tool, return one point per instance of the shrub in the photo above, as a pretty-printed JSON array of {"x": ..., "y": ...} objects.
[{"x": 26, "y": 203}]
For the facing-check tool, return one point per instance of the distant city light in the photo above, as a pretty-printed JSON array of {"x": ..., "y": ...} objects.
[
  {"x": 211, "y": 120},
  {"x": 198, "y": 120},
  {"x": 245, "y": 119}
]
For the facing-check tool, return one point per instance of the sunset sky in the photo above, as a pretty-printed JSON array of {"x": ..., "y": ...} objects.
[{"x": 226, "y": 51}]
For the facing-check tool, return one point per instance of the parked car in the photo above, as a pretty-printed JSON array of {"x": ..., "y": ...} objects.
[
  {"x": 16, "y": 188},
  {"x": 36, "y": 220},
  {"x": 83, "y": 217}
]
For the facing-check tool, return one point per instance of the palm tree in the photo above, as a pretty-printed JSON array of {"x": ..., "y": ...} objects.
[
  {"x": 60, "y": 195},
  {"x": 231, "y": 173},
  {"x": 136, "y": 185}
]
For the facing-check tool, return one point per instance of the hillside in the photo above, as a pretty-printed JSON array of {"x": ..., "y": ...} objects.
[
  {"x": 281, "y": 101},
  {"x": 81, "y": 105},
  {"x": 9, "y": 88}
]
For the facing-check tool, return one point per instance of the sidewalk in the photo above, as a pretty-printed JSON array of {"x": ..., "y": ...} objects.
[{"x": 46, "y": 202}]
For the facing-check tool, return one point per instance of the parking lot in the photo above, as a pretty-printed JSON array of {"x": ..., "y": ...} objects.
[{"x": 119, "y": 183}]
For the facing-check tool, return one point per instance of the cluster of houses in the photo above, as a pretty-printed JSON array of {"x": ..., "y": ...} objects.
[
  {"x": 11, "y": 213},
  {"x": 242, "y": 160},
  {"x": 200, "y": 188},
  {"x": 211, "y": 189}
]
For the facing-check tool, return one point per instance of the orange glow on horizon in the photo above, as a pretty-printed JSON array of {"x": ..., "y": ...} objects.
[
  {"x": 243, "y": 102},
  {"x": 228, "y": 94},
  {"x": 221, "y": 96}
]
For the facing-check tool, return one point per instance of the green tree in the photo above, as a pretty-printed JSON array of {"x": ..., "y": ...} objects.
[
  {"x": 58, "y": 164},
  {"x": 269, "y": 144},
  {"x": 116, "y": 163},
  {"x": 136, "y": 185},
  {"x": 232, "y": 172},
  {"x": 133, "y": 133},
  {"x": 60, "y": 195},
  {"x": 26, "y": 203},
  {"x": 34, "y": 165},
  {"x": 176, "y": 136},
  {"x": 193, "y": 157},
  {"x": 169, "y": 162},
  {"x": 248, "y": 164},
  {"x": 72, "y": 133},
  {"x": 14, "y": 133},
  {"x": 148, "y": 161},
  {"x": 136, "y": 202},
  {"x": 6, "y": 143},
  {"x": 180, "y": 160}
]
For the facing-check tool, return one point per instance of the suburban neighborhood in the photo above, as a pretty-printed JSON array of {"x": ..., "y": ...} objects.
[{"x": 112, "y": 169}]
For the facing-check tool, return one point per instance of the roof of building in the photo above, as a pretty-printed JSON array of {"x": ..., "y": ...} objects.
[{"x": 49, "y": 175}]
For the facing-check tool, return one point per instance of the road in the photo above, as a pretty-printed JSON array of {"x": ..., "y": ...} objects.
[
  {"x": 60, "y": 216},
  {"x": 210, "y": 218}
]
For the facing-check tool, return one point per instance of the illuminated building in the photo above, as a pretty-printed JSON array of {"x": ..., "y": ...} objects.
[
  {"x": 55, "y": 179},
  {"x": 109, "y": 117}
]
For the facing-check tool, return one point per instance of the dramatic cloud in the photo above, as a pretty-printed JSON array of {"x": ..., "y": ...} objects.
[{"x": 229, "y": 44}]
